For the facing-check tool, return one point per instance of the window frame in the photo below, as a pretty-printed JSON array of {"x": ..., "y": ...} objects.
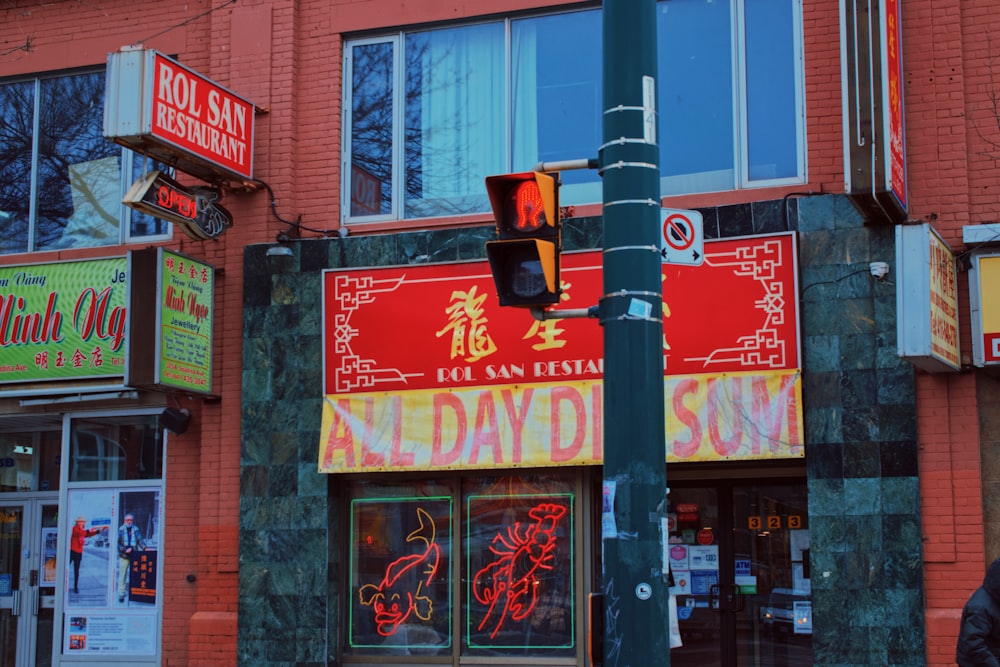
[
  {"x": 129, "y": 160},
  {"x": 687, "y": 183}
]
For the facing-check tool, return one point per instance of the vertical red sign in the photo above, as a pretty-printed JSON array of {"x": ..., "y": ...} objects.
[{"x": 894, "y": 78}]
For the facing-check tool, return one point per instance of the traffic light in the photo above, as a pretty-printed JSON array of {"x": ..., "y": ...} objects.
[{"x": 525, "y": 261}]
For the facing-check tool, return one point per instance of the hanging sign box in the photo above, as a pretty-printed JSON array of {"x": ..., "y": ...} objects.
[
  {"x": 926, "y": 299},
  {"x": 194, "y": 210},
  {"x": 160, "y": 108},
  {"x": 170, "y": 333}
]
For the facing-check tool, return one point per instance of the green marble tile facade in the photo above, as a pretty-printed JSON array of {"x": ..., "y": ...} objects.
[{"x": 859, "y": 407}]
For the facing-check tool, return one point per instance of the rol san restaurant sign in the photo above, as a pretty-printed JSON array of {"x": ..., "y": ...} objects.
[
  {"x": 63, "y": 321},
  {"x": 172, "y": 310},
  {"x": 472, "y": 385},
  {"x": 160, "y": 108}
]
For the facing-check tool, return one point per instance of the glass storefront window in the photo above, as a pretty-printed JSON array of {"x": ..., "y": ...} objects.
[
  {"x": 115, "y": 449},
  {"x": 519, "y": 544},
  {"x": 512, "y": 574},
  {"x": 61, "y": 181},
  {"x": 400, "y": 569},
  {"x": 29, "y": 459}
]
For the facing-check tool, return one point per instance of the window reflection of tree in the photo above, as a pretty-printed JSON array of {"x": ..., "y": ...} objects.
[
  {"x": 446, "y": 160},
  {"x": 16, "y": 135},
  {"x": 78, "y": 174},
  {"x": 73, "y": 177},
  {"x": 371, "y": 115}
]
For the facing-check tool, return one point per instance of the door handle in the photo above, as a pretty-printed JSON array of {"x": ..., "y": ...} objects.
[
  {"x": 741, "y": 600},
  {"x": 713, "y": 598},
  {"x": 34, "y": 606},
  {"x": 15, "y": 604}
]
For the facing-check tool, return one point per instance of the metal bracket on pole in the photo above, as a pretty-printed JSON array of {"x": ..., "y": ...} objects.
[
  {"x": 541, "y": 314},
  {"x": 621, "y": 164},
  {"x": 651, "y": 248},
  {"x": 631, "y": 305},
  {"x": 565, "y": 165}
]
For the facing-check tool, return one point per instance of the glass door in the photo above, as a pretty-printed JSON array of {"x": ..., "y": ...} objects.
[
  {"x": 12, "y": 583},
  {"x": 739, "y": 557},
  {"x": 27, "y": 582}
]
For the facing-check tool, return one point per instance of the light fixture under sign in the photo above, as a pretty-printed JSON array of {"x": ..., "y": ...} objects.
[
  {"x": 279, "y": 251},
  {"x": 174, "y": 420}
]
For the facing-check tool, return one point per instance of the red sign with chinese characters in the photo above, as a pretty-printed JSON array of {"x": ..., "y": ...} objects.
[{"x": 440, "y": 326}]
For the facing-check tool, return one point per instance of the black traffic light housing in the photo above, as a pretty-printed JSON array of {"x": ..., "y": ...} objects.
[{"x": 525, "y": 261}]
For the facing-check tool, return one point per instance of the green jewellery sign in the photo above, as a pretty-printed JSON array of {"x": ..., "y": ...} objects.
[
  {"x": 171, "y": 334},
  {"x": 63, "y": 321}
]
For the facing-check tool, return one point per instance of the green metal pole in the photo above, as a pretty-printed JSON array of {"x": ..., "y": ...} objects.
[{"x": 631, "y": 311}]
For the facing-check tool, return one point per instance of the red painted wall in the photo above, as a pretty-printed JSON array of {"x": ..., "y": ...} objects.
[{"x": 952, "y": 132}]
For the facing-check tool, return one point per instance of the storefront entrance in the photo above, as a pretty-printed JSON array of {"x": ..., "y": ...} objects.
[
  {"x": 67, "y": 482},
  {"x": 740, "y": 564},
  {"x": 28, "y": 549}
]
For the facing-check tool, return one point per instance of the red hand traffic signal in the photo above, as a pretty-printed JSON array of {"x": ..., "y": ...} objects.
[{"x": 525, "y": 259}]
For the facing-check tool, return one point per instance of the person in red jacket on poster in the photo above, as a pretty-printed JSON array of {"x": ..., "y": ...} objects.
[{"x": 76, "y": 540}]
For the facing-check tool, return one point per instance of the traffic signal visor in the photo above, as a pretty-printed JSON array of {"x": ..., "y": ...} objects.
[{"x": 525, "y": 271}]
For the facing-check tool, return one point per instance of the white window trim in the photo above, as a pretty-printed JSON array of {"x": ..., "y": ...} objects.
[{"x": 743, "y": 181}]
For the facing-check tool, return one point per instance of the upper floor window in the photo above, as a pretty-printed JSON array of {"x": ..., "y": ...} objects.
[
  {"x": 61, "y": 181},
  {"x": 430, "y": 113}
]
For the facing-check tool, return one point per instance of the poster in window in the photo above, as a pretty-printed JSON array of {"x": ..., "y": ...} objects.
[
  {"x": 400, "y": 575},
  {"x": 110, "y": 610},
  {"x": 520, "y": 574}
]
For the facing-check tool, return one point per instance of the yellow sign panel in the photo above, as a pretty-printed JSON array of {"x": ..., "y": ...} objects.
[
  {"x": 989, "y": 297},
  {"x": 739, "y": 416}
]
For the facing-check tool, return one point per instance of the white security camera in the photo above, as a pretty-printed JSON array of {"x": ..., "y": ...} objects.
[{"x": 879, "y": 270}]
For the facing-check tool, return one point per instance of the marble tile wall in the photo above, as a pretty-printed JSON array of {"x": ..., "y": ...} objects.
[{"x": 859, "y": 416}]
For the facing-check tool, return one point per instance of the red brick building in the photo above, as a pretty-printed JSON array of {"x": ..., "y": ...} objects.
[{"x": 880, "y": 481}]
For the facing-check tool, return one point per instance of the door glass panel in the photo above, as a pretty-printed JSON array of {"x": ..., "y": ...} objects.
[
  {"x": 47, "y": 551},
  {"x": 11, "y": 528},
  {"x": 694, "y": 520},
  {"x": 771, "y": 547},
  {"x": 739, "y": 559}
]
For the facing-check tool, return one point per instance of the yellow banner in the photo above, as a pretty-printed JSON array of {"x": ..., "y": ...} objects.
[{"x": 738, "y": 416}]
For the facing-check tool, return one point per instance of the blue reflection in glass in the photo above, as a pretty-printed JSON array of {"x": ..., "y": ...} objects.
[
  {"x": 695, "y": 64},
  {"x": 556, "y": 73},
  {"x": 454, "y": 118},
  {"x": 771, "y": 91}
]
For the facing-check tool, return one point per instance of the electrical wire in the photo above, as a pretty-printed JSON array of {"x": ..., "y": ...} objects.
[
  {"x": 291, "y": 223},
  {"x": 26, "y": 47},
  {"x": 185, "y": 22},
  {"x": 833, "y": 282}
]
